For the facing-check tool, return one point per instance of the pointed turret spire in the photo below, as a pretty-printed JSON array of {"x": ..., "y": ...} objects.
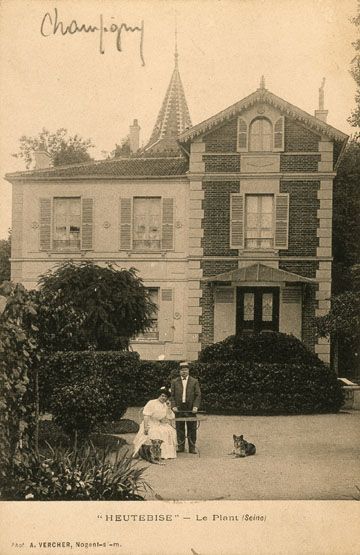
[
  {"x": 176, "y": 54},
  {"x": 174, "y": 116}
]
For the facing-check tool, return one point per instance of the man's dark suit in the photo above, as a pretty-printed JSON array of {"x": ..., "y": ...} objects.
[{"x": 193, "y": 399}]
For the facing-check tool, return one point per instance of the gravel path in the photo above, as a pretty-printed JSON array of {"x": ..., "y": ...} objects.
[{"x": 313, "y": 457}]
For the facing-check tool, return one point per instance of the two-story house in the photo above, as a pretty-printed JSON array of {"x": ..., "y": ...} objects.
[{"x": 228, "y": 222}]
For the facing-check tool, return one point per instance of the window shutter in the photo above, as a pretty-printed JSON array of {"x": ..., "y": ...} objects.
[
  {"x": 125, "y": 217},
  {"x": 237, "y": 201},
  {"x": 279, "y": 134},
  {"x": 281, "y": 220},
  {"x": 242, "y": 134},
  {"x": 45, "y": 224},
  {"x": 166, "y": 315},
  {"x": 167, "y": 238},
  {"x": 87, "y": 217}
]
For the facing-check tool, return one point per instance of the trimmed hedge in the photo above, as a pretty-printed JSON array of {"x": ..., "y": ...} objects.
[
  {"x": 120, "y": 380},
  {"x": 118, "y": 377},
  {"x": 265, "y": 347},
  {"x": 253, "y": 388}
]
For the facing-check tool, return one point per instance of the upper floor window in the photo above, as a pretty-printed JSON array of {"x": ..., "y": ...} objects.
[
  {"x": 66, "y": 223},
  {"x": 147, "y": 223},
  {"x": 260, "y": 135},
  {"x": 259, "y": 228},
  {"x": 259, "y": 221}
]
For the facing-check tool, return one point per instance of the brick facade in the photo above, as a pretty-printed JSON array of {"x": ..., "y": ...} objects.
[
  {"x": 216, "y": 223},
  {"x": 222, "y": 139},
  {"x": 298, "y": 138},
  {"x": 303, "y": 154},
  {"x": 299, "y": 163},
  {"x": 303, "y": 220},
  {"x": 222, "y": 163}
]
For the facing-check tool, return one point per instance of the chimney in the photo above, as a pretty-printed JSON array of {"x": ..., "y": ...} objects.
[
  {"x": 321, "y": 114},
  {"x": 42, "y": 159},
  {"x": 134, "y": 137}
]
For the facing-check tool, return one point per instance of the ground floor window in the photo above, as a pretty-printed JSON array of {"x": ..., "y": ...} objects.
[
  {"x": 152, "y": 334},
  {"x": 257, "y": 309}
]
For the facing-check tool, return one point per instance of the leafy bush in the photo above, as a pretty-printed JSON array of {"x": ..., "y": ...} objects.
[
  {"x": 113, "y": 370},
  {"x": 78, "y": 475},
  {"x": 103, "y": 437},
  {"x": 124, "y": 379},
  {"x": 110, "y": 304},
  {"x": 123, "y": 426},
  {"x": 51, "y": 433},
  {"x": 153, "y": 375},
  {"x": 265, "y": 347},
  {"x": 254, "y": 388},
  {"x": 18, "y": 347},
  {"x": 79, "y": 406}
]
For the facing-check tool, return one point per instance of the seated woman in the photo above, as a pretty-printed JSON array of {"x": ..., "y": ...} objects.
[{"x": 156, "y": 425}]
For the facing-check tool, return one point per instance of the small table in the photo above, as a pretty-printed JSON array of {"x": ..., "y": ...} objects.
[{"x": 198, "y": 417}]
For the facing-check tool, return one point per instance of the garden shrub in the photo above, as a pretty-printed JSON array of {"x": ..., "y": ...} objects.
[
  {"x": 79, "y": 406},
  {"x": 18, "y": 348},
  {"x": 256, "y": 388},
  {"x": 153, "y": 375},
  {"x": 125, "y": 380},
  {"x": 51, "y": 433},
  {"x": 79, "y": 475},
  {"x": 123, "y": 426},
  {"x": 263, "y": 347},
  {"x": 115, "y": 369}
]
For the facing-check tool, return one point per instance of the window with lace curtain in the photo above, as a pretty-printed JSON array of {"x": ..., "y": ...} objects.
[
  {"x": 66, "y": 223},
  {"x": 259, "y": 226},
  {"x": 147, "y": 223}
]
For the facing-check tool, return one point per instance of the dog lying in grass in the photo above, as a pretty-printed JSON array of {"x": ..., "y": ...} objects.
[
  {"x": 151, "y": 451},
  {"x": 242, "y": 448}
]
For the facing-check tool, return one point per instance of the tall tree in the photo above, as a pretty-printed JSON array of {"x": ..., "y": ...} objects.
[
  {"x": 355, "y": 72},
  {"x": 63, "y": 149},
  {"x": 97, "y": 307},
  {"x": 346, "y": 230},
  {"x": 5, "y": 253},
  {"x": 123, "y": 149}
]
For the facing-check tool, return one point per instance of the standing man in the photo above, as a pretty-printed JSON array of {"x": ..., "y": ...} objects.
[{"x": 185, "y": 401}]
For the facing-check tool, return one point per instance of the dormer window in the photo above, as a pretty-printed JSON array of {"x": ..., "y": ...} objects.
[{"x": 260, "y": 135}]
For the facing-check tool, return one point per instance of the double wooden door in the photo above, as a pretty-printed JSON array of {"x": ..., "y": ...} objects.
[{"x": 257, "y": 309}]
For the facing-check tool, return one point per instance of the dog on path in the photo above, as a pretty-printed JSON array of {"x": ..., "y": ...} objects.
[
  {"x": 151, "y": 451},
  {"x": 242, "y": 448}
]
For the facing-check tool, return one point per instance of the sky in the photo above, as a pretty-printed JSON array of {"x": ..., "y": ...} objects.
[{"x": 57, "y": 80}]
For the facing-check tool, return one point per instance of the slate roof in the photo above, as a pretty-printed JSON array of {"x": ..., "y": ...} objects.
[
  {"x": 173, "y": 118},
  {"x": 258, "y": 272},
  {"x": 116, "y": 168}
]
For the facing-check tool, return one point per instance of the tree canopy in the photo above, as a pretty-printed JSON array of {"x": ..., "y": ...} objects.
[
  {"x": 5, "y": 253},
  {"x": 63, "y": 148},
  {"x": 346, "y": 224},
  {"x": 86, "y": 305},
  {"x": 354, "y": 119}
]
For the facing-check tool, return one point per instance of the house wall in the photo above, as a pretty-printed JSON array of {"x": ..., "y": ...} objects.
[
  {"x": 304, "y": 170},
  {"x": 196, "y": 315},
  {"x": 168, "y": 270}
]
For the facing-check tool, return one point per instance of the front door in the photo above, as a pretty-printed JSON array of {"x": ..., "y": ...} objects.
[{"x": 257, "y": 309}]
